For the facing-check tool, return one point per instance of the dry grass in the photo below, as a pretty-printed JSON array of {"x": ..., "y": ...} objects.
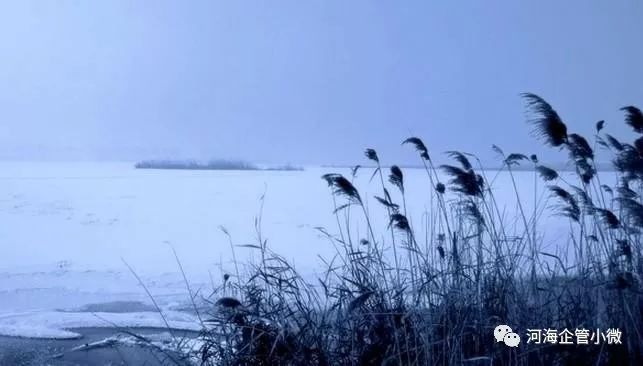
[{"x": 435, "y": 301}]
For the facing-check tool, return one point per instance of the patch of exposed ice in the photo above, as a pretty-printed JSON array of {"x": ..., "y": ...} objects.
[{"x": 56, "y": 324}]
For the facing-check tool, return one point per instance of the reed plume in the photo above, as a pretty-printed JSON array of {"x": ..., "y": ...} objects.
[
  {"x": 585, "y": 170},
  {"x": 547, "y": 124},
  {"x": 514, "y": 159},
  {"x": 599, "y": 126},
  {"x": 579, "y": 147},
  {"x": 608, "y": 218},
  {"x": 440, "y": 188},
  {"x": 354, "y": 170},
  {"x": 638, "y": 144},
  {"x": 397, "y": 178},
  {"x": 464, "y": 181},
  {"x": 343, "y": 187},
  {"x": 629, "y": 162},
  {"x": 634, "y": 118},
  {"x": 614, "y": 143},
  {"x": 547, "y": 174},
  {"x": 570, "y": 207},
  {"x": 471, "y": 210},
  {"x": 400, "y": 222},
  {"x": 419, "y": 146},
  {"x": 460, "y": 158},
  {"x": 372, "y": 155},
  {"x": 633, "y": 211},
  {"x": 386, "y": 202}
]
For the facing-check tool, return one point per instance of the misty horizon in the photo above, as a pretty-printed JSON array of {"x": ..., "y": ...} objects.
[{"x": 314, "y": 84}]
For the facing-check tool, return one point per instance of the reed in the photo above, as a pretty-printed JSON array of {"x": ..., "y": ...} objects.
[{"x": 476, "y": 269}]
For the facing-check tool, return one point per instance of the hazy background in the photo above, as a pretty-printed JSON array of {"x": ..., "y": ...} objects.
[{"x": 309, "y": 82}]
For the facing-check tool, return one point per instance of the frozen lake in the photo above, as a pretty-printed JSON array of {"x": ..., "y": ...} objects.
[
  {"x": 93, "y": 214},
  {"x": 67, "y": 227}
]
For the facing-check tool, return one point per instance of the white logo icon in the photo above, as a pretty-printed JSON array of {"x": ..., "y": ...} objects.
[
  {"x": 503, "y": 333},
  {"x": 500, "y": 331},
  {"x": 511, "y": 339}
]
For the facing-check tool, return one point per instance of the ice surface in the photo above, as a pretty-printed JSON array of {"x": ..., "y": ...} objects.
[
  {"x": 68, "y": 229},
  {"x": 54, "y": 324}
]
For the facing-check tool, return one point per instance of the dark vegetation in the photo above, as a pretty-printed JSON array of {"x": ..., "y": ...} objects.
[
  {"x": 210, "y": 165},
  {"x": 393, "y": 297}
]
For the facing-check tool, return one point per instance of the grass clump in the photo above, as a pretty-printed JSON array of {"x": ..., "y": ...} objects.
[{"x": 400, "y": 295}]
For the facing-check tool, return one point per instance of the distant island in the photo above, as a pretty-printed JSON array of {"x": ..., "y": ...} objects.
[{"x": 219, "y": 164}]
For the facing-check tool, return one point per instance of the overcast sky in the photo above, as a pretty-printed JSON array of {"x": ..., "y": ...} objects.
[{"x": 307, "y": 82}]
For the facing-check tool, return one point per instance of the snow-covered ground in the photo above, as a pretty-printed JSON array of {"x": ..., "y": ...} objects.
[{"x": 67, "y": 230}]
